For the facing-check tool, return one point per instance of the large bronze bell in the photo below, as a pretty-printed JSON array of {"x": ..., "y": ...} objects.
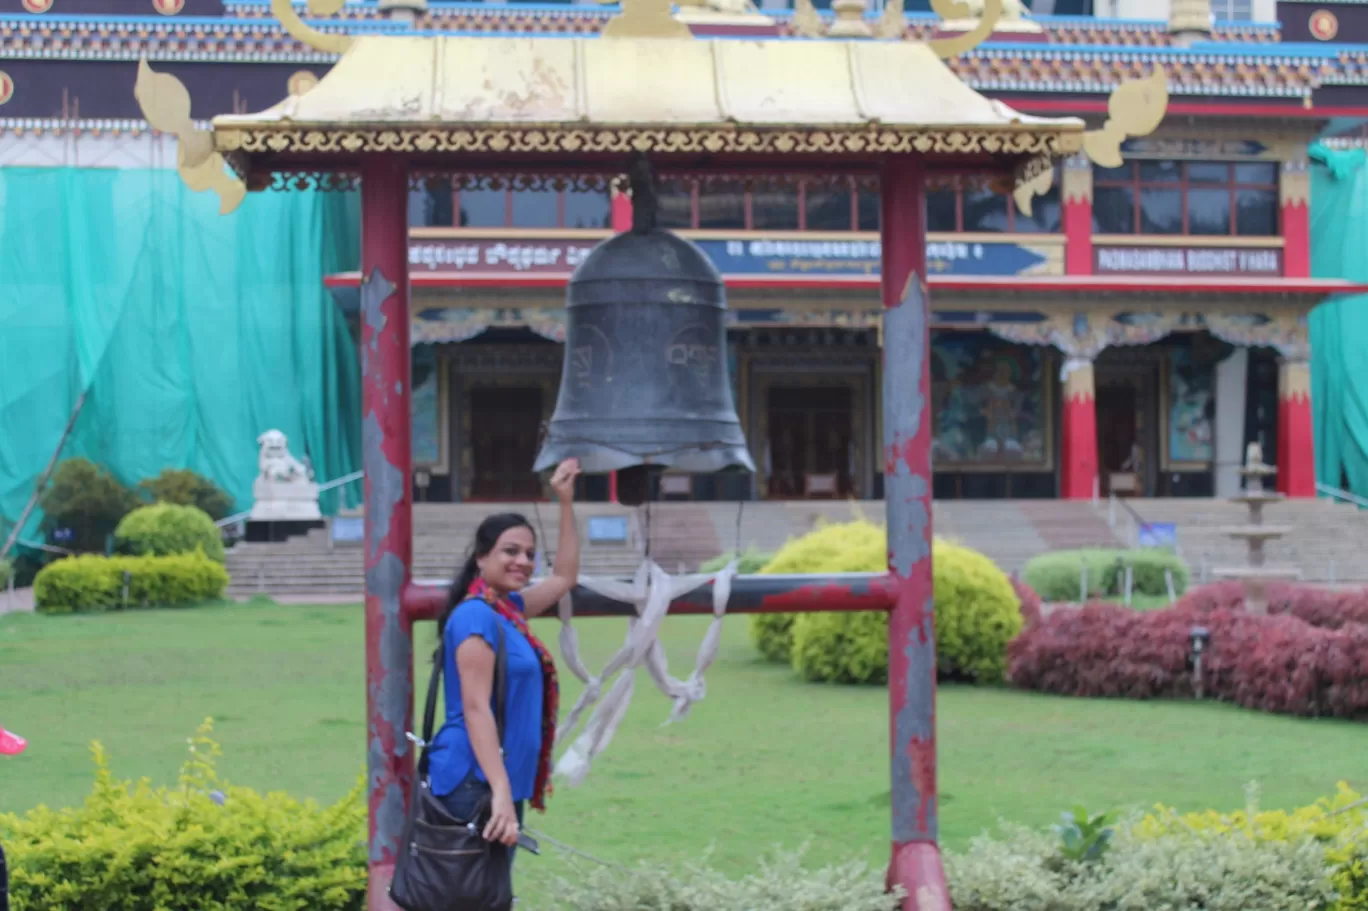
[{"x": 645, "y": 380}]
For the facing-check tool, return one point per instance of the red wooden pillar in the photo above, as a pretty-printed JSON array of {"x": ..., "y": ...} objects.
[
  {"x": 1294, "y": 192},
  {"x": 1076, "y": 192},
  {"x": 621, "y": 214},
  {"x": 387, "y": 459},
  {"x": 916, "y": 862},
  {"x": 1078, "y": 468},
  {"x": 1296, "y": 437}
]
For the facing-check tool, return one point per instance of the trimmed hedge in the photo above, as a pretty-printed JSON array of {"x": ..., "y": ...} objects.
[
  {"x": 1026, "y": 870},
  {"x": 167, "y": 529},
  {"x": 1323, "y": 607},
  {"x": 750, "y": 562},
  {"x": 201, "y": 845},
  {"x": 1339, "y": 824},
  {"x": 977, "y": 611},
  {"x": 93, "y": 583},
  {"x": 1056, "y": 575},
  {"x": 1278, "y": 664},
  {"x": 783, "y": 883}
]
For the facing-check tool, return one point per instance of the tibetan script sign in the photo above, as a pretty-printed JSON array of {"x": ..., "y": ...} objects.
[{"x": 1187, "y": 261}]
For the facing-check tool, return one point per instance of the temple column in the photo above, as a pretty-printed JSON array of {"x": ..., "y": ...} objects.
[
  {"x": 387, "y": 460},
  {"x": 621, "y": 215},
  {"x": 1294, "y": 193},
  {"x": 1296, "y": 434},
  {"x": 916, "y": 861},
  {"x": 1076, "y": 194},
  {"x": 1078, "y": 431}
]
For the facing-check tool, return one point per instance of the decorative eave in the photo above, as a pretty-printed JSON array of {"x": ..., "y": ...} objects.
[
  {"x": 647, "y": 85},
  {"x": 528, "y": 96}
]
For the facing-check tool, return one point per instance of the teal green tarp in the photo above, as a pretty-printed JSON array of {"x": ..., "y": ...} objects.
[
  {"x": 192, "y": 332},
  {"x": 1339, "y": 328}
]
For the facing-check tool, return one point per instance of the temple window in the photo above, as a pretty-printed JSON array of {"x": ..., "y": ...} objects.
[
  {"x": 980, "y": 209},
  {"x": 1204, "y": 198}
]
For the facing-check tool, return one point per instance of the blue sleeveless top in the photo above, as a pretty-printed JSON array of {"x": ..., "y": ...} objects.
[{"x": 451, "y": 757}]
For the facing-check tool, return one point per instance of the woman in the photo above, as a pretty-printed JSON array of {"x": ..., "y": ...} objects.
[{"x": 490, "y": 592}]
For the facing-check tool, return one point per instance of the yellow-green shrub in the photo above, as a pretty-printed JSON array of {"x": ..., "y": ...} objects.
[
  {"x": 977, "y": 611},
  {"x": 1340, "y": 823},
  {"x": 167, "y": 529},
  {"x": 94, "y": 583},
  {"x": 200, "y": 846}
]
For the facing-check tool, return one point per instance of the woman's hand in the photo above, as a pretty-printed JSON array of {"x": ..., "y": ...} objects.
[
  {"x": 503, "y": 821},
  {"x": 563, "y": 480}
]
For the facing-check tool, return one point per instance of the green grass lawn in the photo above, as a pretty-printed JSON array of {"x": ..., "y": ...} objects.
[{"x": 764, "y": 760}]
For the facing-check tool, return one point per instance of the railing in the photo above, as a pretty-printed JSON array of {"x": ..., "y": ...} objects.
[
  {"x": 1138, "y": 522},
  {"x": 322, "y": 488},
  {"x": 1335, "y": 493}
]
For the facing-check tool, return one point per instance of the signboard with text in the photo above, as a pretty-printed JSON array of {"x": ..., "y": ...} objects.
[
  {"x": 740, "y": 256},
  {"x": 1252, "y": 261}
]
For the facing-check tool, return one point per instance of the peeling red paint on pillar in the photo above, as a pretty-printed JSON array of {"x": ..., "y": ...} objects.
[
  {"x": 387, "y": 459},
  {"x": 915, "y": 864}
]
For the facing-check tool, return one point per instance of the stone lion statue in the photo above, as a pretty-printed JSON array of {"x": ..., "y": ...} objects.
[{"x": 275, "y": 462}]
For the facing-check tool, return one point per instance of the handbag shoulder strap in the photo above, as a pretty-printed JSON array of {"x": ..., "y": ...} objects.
[
  {"x": 500, "y": 683},
  {"x": 500, "y": 694}
]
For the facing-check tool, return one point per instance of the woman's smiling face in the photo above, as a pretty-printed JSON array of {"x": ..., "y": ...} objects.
[{"x": 509, "y": 564}]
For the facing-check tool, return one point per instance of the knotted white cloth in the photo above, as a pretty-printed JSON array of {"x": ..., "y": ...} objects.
[{"x": 650, "y": 593}]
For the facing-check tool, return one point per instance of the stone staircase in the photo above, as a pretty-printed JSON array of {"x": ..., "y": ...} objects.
[
  {"x": 441, "y": 533},
  {"x": 1325, "y": 544}
]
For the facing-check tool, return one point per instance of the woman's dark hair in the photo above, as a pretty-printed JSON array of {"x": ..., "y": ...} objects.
[{"x": 486, "y": 536}]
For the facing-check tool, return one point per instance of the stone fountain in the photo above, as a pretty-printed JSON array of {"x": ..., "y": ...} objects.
[{"x": 1256, "y": 575}]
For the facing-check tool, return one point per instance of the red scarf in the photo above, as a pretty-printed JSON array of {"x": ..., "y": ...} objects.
[{"x": 550, "y": 688}]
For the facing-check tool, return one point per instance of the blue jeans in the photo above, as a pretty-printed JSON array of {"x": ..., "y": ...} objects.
[{"x": 466, "y": 798}]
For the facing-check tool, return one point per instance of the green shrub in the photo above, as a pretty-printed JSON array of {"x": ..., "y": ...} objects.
[
  {"x": 200, "y": 846},
  {"x": 185, "y": 488},
  {"x": 780, "y": 885},
  {"x": 87, "y": 499},
  {"x": 6, "y": 573},
  {"x": 750, "y": 562},
  {"x": 1026, "y": 870},
  {"x": 977, "y": 611},
  {"x": 1339, "y": 824},
  {"x": 1056, "y": 576},
  {"x": 95, "y": 583},
  {"x": 167, "y": 529}
]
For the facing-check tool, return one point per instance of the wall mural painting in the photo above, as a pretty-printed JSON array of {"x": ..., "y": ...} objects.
[
  {"x": 989, "y": 403},
  {"x": 1191, "y": 405},
  {"x": 425, "y": 407}
]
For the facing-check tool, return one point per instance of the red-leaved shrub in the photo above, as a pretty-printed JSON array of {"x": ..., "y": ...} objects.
[
  {"x": 1273, "y": 663},
  {"x": 1323, "y": 607},
  {"x": 1032, "y": 607}
]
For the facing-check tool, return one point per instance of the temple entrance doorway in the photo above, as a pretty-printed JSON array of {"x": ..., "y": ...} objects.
[
  {"x": 1127, "y": 444},
  {"x": 505, "y": 423},
  {"x": 811, "y": 441}
]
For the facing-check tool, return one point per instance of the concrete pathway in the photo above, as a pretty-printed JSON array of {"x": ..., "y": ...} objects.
[{"x": 13, "y": 601}]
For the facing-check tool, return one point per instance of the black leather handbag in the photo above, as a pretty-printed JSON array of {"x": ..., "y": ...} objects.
[{"x": 444, "y": 863}]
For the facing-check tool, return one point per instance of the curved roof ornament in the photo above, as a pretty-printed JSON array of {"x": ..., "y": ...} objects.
[
  {"x": 301, "y": 31},
  {"x": 1136, "y": 107},
  {"x": 950, "y": 10},
  {"x": 165, "y": 102}
]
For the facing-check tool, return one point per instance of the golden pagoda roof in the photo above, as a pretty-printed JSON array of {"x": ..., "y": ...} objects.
[
  {"x": 447, "y": 93},
  {"x": 645, "y": 85}
]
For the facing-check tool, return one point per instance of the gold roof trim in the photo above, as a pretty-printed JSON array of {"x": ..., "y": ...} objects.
[{"x": 458, "y": 93}]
